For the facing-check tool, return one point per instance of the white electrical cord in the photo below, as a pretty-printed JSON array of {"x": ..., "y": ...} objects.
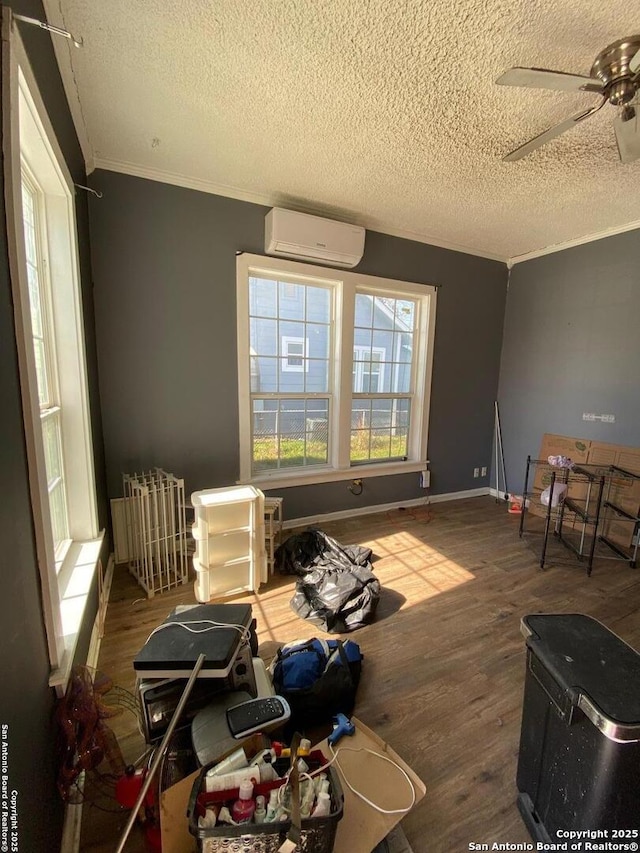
[
  {"x": 366, "y": 800},
  {"x": 212, "y": 626}
]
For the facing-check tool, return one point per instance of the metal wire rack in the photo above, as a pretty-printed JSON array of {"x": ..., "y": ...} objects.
[
  {"x": 156, "y": 530},
  {"x": 589, "y": 506}
]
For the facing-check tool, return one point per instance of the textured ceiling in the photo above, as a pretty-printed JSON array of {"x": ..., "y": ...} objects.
[{"x": 379, "y": 112}]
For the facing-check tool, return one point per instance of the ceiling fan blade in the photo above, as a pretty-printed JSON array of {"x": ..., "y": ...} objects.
[
  {"x": 627, "y": 128},
  {"x": 551, "y": 133},
  {"x": 634, "y": 63},
  {"x": 543, "y": 78}
]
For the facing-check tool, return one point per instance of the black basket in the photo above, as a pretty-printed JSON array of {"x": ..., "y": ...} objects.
[{"x": 318, "y": 833}]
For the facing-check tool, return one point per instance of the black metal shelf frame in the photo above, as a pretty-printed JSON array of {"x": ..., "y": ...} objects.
[{"x": 591, "y": 513}]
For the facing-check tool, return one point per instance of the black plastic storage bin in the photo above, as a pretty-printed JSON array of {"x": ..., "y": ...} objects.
[
  {"x": 317, "y": 836},
  {"x": 579, "y": 761}
]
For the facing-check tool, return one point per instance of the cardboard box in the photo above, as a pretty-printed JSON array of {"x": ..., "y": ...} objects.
[
  {"x": 576, "y": 449},
  {"x": 361, "y": 827},
  {"x": 599, "y": 457}
]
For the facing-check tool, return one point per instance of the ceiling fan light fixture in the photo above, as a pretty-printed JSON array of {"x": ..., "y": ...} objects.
[{"x": 621, "y": 92}]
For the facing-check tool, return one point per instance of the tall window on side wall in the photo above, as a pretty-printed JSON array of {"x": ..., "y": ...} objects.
[
  {"x": 334, "y": 372},
  {"x": 44, "y": 349},
  {"x": 45, "y": 282}
]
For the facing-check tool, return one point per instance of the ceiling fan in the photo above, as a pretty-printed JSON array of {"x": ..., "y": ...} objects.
[{"x": 615, "y": 75}]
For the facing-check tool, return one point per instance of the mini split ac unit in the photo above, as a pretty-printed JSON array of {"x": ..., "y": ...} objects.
[{"x": 312, "y": 238}]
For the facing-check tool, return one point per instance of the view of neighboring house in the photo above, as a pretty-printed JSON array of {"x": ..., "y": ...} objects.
[{"x": 292, "y": 344}]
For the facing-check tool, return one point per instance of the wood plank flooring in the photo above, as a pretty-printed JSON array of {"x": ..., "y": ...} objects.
[{"x": 444, "y": 662}]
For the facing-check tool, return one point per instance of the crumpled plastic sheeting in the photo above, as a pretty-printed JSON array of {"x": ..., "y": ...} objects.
[{"x": 336, "y": 589}]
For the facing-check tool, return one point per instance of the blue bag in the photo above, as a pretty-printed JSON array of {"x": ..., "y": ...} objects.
[{"x": 318, "y": 678}]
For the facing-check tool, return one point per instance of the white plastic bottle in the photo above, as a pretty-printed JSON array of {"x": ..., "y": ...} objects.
[
  {"x": 323, "y": 805},
  {"x": 261, "y": 811},
  {"x": 236, "y": 761},
  {"x": 272, "y": 808},
  {"x": 232, "y": 780}
]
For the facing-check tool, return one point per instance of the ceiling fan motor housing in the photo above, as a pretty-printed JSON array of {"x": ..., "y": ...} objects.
[{"x": 612, "y": 68}]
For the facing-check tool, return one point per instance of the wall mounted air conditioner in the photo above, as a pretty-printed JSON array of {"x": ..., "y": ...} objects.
[{"x": 312, "y": 238}]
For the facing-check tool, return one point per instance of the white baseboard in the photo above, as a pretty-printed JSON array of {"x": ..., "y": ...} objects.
[
  {"x": 499, "y": 493},
  {"x": 370, "y": 510},
  {"x": 73, "y": 812}
]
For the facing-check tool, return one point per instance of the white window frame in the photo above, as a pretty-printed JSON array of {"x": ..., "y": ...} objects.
[
  {"x": 287, "y": 340},
  {"x": 66, "y": 579},
  {"x": 345, "y": 285}
]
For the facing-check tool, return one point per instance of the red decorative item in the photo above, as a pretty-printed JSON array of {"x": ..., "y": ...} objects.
[
  {"x": 129, "y": 786},
  {"x": 84, "y": 739}
]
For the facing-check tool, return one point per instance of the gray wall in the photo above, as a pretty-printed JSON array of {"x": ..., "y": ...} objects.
[
  {"x": 571, "y": 345},
  {"x": 27, "y": 702},
  {"x": 164, "y": 274}
]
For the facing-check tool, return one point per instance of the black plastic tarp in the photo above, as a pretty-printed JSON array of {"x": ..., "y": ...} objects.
[{"x": 336, "y": 589}]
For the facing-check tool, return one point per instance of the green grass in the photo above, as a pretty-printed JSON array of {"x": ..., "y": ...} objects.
[{"x": 292, "y": 450}]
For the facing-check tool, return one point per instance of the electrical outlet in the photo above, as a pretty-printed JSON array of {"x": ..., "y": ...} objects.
[
  {"x": 425, "y": 479},
  {"x": 476, "y": 472},
  {"x": 484, "y": 471}
]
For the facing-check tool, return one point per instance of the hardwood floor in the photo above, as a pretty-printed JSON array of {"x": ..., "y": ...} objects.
[{"x": 444, "y": 662}]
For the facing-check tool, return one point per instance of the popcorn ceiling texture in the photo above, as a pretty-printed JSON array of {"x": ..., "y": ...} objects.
[{"x": 380, "y": 112}]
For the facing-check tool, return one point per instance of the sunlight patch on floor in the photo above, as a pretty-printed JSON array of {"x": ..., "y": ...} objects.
[{"x": 403, "y": 563}]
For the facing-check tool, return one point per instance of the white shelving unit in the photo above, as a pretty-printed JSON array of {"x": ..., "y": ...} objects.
[{"x": 230, "y": 542}]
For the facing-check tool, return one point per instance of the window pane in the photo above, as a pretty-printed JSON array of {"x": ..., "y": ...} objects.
[
  {"x": 290, "y": 433},
  {"x": 292, "y": 376},
  {"x": 319, "y": 340},
  {"x": 362, "y": 344},
  {"x": 264, "y": 336},
  {"x": 317, "y": 378},
  {"x": 405, "y": 311},
  {"x": 263, "y": 296},
  {"x": 41, "y": 371},
  {"x": 52, "y": 447},
  {"x": 57, "y": 505},
  {"x": 34, "y": 301},
  {"x": 318, "y": 308},
  {"x": 403, "y": 347},
  {"x": 364, "y": 310},
  {"x": 401, "y": 383},
  {"x": 297, "y": 331},
  {"x": 291, "y": 301},
  {"x": 379, "y": 429}
]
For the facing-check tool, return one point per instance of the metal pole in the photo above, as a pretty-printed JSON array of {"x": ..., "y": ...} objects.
[
  {"x": 157, "y": 758},
  {"x": 495, "y": 440},
  {"x": 499, "y": 438}
]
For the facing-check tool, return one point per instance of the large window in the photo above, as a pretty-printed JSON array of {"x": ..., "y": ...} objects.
[
  {"x": 47, "y": 304},
  {"x": 44, "y": 347},
  {"x": 334, "y": 372}
]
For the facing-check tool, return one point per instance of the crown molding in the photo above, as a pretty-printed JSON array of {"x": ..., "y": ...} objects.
[
  {"x": 274, "y": 200},
  {"x": 569, "y": 244}
]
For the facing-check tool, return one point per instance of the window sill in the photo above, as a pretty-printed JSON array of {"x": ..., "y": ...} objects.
[
  {"x": 331, "y": 475},
  {"x": 74, "y": 581}
]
